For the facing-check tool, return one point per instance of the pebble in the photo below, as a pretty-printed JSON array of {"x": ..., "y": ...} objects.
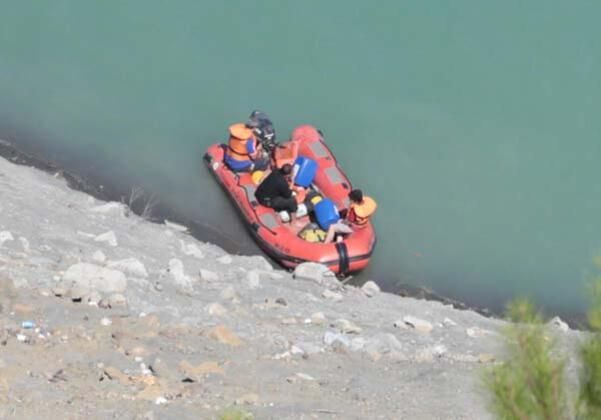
[
  {"x": 107, "y": 237},
  {"x": 417, "y": 323},
  {"x": 21, "y": 337},
  {"x": 93, "y": 298},
  {"x": 105, "y": 322},
  {"x": 449, "y": 322},
  {"x": 59, "y": 291},
  {"x": 331, "y": 337},
  {"x": 78, "y": 292},
  {"x": 208, "y": 275},
  {"x": 160, "y": 400},
  {"x": 347, "y": 327},
  {"x": 117, "y": 300},
  {"x": 225, "y": 259},
  {"x": 228, "y": 293},
  {"x": 281, "y": 301},
  {"x": 131, "y": 266},
  {"x": 318, "y": 318},
  {"x": 99, "y": 257}
]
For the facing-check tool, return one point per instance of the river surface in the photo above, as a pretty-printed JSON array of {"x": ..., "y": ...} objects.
[{"x": 474, "y": 124}]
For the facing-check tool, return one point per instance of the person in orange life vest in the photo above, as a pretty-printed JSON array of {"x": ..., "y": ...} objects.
[
  {"x": 243, "y": 154},
  {"x": 355, "y": 217}
]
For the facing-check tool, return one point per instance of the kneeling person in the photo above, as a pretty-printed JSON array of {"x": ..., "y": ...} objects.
[{"x": 275, "y": 191}]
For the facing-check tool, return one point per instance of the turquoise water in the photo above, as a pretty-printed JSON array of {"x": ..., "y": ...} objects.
[{"x": 473, "y": 123}]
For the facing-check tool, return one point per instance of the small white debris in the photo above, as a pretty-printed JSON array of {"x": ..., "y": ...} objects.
[
  {"x": 449, "y": 322},
  {"x": 175, "y": 226},
  {"x": 5, "y": 236},
  {"x": 107, "y": 237},
  {"x": 105, "y": 322},
  {"x": 112, "y": 207},
  {"x": 21, "y": 337},
  {"x": 208, "y": 275},
  {"x": 559, "y": 324},
  {"x": 160, "y": 400},
  {"x": 370, "y": 288},
  {"x": 418, "y": 324}
]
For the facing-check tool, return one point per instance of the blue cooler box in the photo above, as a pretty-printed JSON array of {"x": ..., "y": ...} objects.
[
  {"x": 305, "y": 171},
  {"x": 326, "y": 213}
]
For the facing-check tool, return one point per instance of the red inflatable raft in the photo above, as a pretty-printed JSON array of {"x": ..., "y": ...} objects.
[{"x": 282, "y": 241}]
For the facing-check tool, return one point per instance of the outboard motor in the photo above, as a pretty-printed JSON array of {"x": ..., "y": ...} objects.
[{"x": 263, "y": 128}]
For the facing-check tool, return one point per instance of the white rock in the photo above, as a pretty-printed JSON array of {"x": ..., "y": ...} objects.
[
  {"x": 107, "y": 237},
  {"x": 449, "y": 322},
  {"x": 117, "y": 300},
  {"x": 21, "y": 337},
  {"x": 105, "y": 322},
  {"x": 347, "y": 327},
  {"x": 208, "y": 275},
  {"x": 370, "y": 288},
  {"x": 112, "y": 208},
  {"x": 176, "y": 268},
  {"x": 477, "y": 332},
  {"x": 176, "y": 226},
  {"x": 253, "y": 279},
  {"x": 99, "y": 257},
  {"x": 383, "y": 343},
  {"x": 216, "y": 309},
  {"x": 418, "y": 324},
  {"x": 5, "y": 236},
  {"x": 559, "y": 324},
  {"x": 93, "y": 298},
  {"x": 335, "y": 296},
  {"x": 25, "y": 244},
  {"x": 130, "y": 266},
  {"x": 95, "y": 277},
  {"x": 160, "y": 400},
  {"x": 225, "y": 259},
  {"x": 331, "y": 337},
  {"x": 192, "y": 250},
  {"x": 318, "y": 318},
  {"x": 315, "y": 272}
]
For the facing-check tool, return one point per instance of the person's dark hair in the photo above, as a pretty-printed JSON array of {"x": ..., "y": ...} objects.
[
  {"x": 356, "y": 196},
  {"x": 286, "y": 169}
]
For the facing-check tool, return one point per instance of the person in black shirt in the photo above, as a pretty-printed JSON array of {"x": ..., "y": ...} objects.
[{"x": 275, "y": 190}]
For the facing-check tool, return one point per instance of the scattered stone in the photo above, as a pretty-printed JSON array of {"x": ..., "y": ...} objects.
[
  {"x": 307, "y": 348},
  {"x": 5, "y": 236},
  {"x": 318, "y": 318},
  {"x": 417, "y": 324},
  {"x": 113, "y": 207},
  {"x": 208, "y": 275},
  {"x": 228, "y": 293},
  {"x": 117, "y": 300},
  {"x": 192, "y": 250},
  {"x": 176, "y": 268},
  {"x": 196, "y": 373},
  {"x": 158, "y": 286},
  {"x": 107, "y": 237},
  {"x": 224, "y": 335},
  {"x": 477, "y": 332},
  {"x": 370, "y": 288},
  {"x": 216, "y": 309},
  {"x": 22, "y": 338},
  {"x": 96, "y": 277},
  {"x": 559, "y": 324},
  {"x": 449, "y": 322},
  {"x": 25, "y": 244},
  {"x": 59, "y": 290},
  {"x": 43, "y": 291},
  {"x": 347, "y": 327},
  {"x": 383, "y": 343},
  {"x": 253, "y": 279},
  {"x": 99, "y": 257},
  {"x": 289, "y": 321},
  {"x": 104, "y": 304},
  {"x": 334, "y": 296},
  {"x": 299, "y": 376},
  {"x": 486, "y": 358},
  {"x": 130, "y": 266},
  {"x": 430, "y": 354},
  {"x": 281, "y": 301},
  {"x": 93, "y": 298},
  {"x": 160, "y": 400},
  {"x": 317, "y": 273},
  {"x": 175, "y": 226},
  {"x": 225, "y": 259},
  {"x": 105, "y": 322},
  {"x": 250, "y": 398},
  {"x": 331, "y": 337}
]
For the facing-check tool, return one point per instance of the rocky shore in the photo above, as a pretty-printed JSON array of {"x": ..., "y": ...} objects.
[{"x": 106, "y": 315}]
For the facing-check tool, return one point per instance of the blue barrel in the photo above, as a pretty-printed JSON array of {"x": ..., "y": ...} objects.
[
  {"x": 326, "y": 213},
  {"x": 305, "y": 171}
]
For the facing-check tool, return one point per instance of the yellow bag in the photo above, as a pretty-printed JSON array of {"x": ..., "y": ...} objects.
[{"x": 313, "y": 235}]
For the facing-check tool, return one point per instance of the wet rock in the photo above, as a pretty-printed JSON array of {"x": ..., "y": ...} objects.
[
  {"x": 225, "y": 259},
  {"x": 334, "y": 296},
  {"x": 99, "y": 257},
  {"x": 117, "y": 300},
  {"x": 370, "y": 288},
  {"x": 208, "y": 275},
  {"x": 108, "y": 237},
  {"x": 5, "y": 236},
  {"x": 131, "y": 266},
  {"x": 224, "y": 335},
  {"x": 95, "y": 277},
  {"x": 191, "y": 250},
  {"x": 417, "y": 324},
  {"x": 216, "y": 309},
  {"x": 347, "y": 327}
]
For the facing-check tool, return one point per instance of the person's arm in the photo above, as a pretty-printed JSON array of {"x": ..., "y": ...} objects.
[{"x": 284, "y": 188}]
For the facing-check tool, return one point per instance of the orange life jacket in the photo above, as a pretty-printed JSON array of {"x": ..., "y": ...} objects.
[
  {"x": 238, "y": 142},
  {"x": 359, "y": 213}
]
